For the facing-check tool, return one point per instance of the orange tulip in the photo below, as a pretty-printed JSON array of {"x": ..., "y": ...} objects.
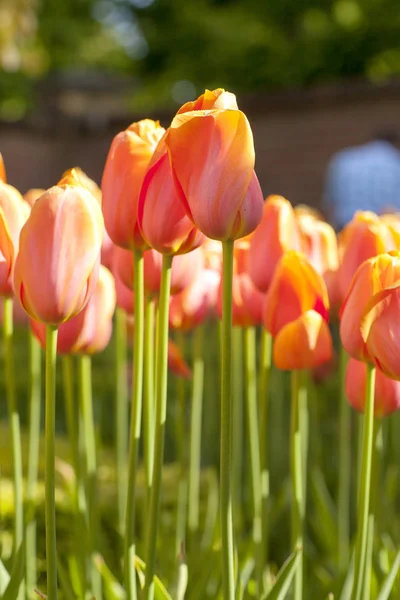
[
  {"x": 90, "y": 331},
  {"x": 370, "y": 314},
  {"x": 76, "y": 176},
  {"x": 295, "y": 289},
  {"x": 212, "y": 159},
  {"x": 304, "y": 343},
  {"x": 387, "y": 391},
  {"x": 3, "y": 176},
  {"x": 277, "y": 233},
  {"x": 161, "y": 216},
  {"x": 125, "y": 168},
  {"x": 59, "y": 255},
  {"x": 32, "y": 195},
  {"x": 364, "y": 237},
  {"x": 196, "y": 302},
  {"x": 218, "y": 98},
  {"x": 13, "y": 213},
  {"x": 185, "y": 268}
]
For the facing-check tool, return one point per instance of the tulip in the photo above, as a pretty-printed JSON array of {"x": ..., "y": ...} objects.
[
  {"x": 162, "y": 218},
  {"x": 387, "y": 391},
  {"x": 76, "y": 176},
  {"x": 277, "y": 233},
  {"x": 32, "y": 195},
  {"x": 3, "y": 176},
  {"x": 218, "y": 98},
  {"x": 212, "y": 159},
  {"x": 13, "y": 213},
  {"x": 364, "y": 237},
  {"x": 196, "y": 302},
  {"x": 90, "y": 331},
  {"x": 59, "y": 255},
  {"x": 295, "y": 289},
  {"x": 125, "y": 168}
]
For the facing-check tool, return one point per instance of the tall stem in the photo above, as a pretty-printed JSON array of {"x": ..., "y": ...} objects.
[
  {"x": 297, "y": 472},
  {"x": 254, "y": 451},
  {"x": 134, "y": 435},
  {"x": 50, "y": 505},
  {"x": 122, "y": 412},
  {"x": 238, "y": 427},
  {"x": 181, "y": 438},
  {"x": 365, "y": 481},
  {"x": 148, "y": 395},
  {"x": 226, "y": 516},
  {"x": 344, "y": 469},
  {"x": 89, "y": 439},
  {"x": 161, "y": 410},
  {"x": 265, "y": 371},
  {"x": 33, "y": 457},
  {"x": 195, "y": 430}
]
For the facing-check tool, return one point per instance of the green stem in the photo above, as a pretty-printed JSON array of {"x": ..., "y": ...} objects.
[
  {"x": 161, "y": 410},
  {"x": 297, "y": 472},
  {"x": 50, "y": 505},
  {"x": 181, "y": 454},
  {"x": 265, "y": 371},
  {"x": 228, "y": 575},
  {"x": 122, "y": 412},
  {"x": 365, "y": 481},
  {"x": 344, "y": 486},
  {"x": 238, "y": 430},
  {"x": 135, "y": 426},
  {"x": 254, "y": 452},
  {"x": 33, "y": 458},
  {"x": 89, "y": 438},
  {"x": 196, "y": 430},
  {"x": 148, "y": 395}
]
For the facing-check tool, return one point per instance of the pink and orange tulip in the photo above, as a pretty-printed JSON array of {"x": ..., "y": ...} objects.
[
  {"x": 59, "y": 254},
  {"x": 277, "y": 233},
  {"x": 127, "y": 161},
  {"x": 212, "y": 158},
  {"x": 387, "y": 391},
  {"x": 196, "y": 302}
]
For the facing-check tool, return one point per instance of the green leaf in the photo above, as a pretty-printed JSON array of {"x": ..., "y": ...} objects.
[
  {"x": 65, "y": 582},
  {"x": 182, "y": 581},
  {"x": 113, "y": 590},
  {"x": 244, "y": 577},
  {"x": 387, "y": 586},
  {"x": 284, "y": 578},
  {"x": 348, "y": 582},
  {"x": 17, "y": 575},
  {"x": 160, "y": 592},
  {"x": 4, "y": 577},
  {"x": 325, "y": 522}
]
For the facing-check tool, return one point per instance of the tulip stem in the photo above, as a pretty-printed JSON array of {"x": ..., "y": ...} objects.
[
  {"x": 135, "y": 426},
  {"x": 196, "y": 430},
  {"x": 298, "y": 468},
  {"x": 50, "y": 505},
  {"x": 33, "y": 457},
  {"x": 14, "y": 421},
  {"x": 254, "y": 452},
  {"x": 238, "y": 429},
  {"x": 148, "y": 399},
  {"x": 89, "y": 440},
  {"x": 159, "y": 434},
  {"x": 181, "y": 454},
  {"x": 365, "y": 481},
  {"x": 344, "y": 483},
  {"x": 226, "y": 514},
  {"x": 265, "y": 370},
  {"x": 122, "y": 412}
]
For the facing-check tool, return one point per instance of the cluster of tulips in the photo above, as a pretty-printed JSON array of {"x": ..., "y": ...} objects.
[{"x": 178, "y": 234}]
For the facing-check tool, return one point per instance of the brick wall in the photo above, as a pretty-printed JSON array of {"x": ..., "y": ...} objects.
[{"x": 295, "y": 135}]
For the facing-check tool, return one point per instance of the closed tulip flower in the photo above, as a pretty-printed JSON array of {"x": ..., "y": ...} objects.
[
  {"x": 76, "y": 176},
  {"x": 32, "y": 195},
  {"x": 125, "y": 168},
  {"x": 13, "y": 213},
  {"x": 90, "y": 331},
  {"x": 296, "y": 311},
  {"x": 196, "y": 302},
  {"x": 212, "y": 158},
  {"x": 364, "y": 237},
  {"x": 277, "y": 233},
  {"x": 59, "y": 254},
  {"x": 387, "y": 391}
]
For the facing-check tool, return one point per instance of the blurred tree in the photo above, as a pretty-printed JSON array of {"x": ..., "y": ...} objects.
[{"x": 175, "y": 48}]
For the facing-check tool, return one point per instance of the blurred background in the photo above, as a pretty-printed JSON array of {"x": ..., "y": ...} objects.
[{"x": 314, "y": 76}]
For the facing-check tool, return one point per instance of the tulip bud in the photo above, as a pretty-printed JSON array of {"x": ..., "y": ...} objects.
[
  {"x": 76, "y": 176},
  {"x": 32, "y": 195},
  {"x": 277, "y": 233},
  {"x": 125, "y": 168},
  {"x": 387, "y": 391},
  {"x": 59, "y": 255},
  {"x": 196, "y": 302},
  {"x": 212, "y": 159}
]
